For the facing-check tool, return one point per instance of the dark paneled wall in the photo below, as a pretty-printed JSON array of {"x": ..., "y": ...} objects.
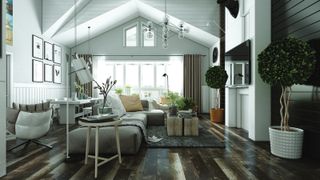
[{"x": 301, "y": 19}]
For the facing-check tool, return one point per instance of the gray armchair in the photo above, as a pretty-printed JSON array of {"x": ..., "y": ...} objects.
[{"x": 29, "y": 123}]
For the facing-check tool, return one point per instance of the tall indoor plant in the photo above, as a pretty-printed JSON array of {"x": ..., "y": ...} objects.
[
  {"x": 216, "y": 77},
  {"x": 284, "y": 63}
]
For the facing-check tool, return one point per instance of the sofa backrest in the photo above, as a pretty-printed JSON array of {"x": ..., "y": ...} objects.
[{"x": 145, "y": 105}]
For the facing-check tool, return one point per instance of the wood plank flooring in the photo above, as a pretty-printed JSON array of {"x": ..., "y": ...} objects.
[{"x": 240, "y": 159}]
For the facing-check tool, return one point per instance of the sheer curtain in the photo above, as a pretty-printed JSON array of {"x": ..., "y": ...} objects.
[{"x": 192, "y": 78}]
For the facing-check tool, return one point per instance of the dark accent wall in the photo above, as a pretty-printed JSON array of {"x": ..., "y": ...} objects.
[
  {"x": 300, "y": 19},
  {"x": 222, "y": 51}
]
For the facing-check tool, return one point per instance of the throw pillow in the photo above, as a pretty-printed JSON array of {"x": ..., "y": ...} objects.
[
  {"x": 131, "y": 103},
  {"x": 114, "y": 101},
  {"x": 12, "y": 115}
]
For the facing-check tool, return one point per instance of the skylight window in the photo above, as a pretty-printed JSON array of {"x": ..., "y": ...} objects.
[{"x": 131, "y": 37}]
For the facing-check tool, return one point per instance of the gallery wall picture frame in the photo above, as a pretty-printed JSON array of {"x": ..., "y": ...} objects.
[
  {"x": 48, "y": 73},
  {"x": 48, "y": 51},
  {"x": 37, "y": 47},
  {"x": 57, "y": 74},
  {"x": 57, "y": 54},
  {"x": 37, "y": 71}
]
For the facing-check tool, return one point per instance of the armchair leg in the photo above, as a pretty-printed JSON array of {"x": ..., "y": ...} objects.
[
  {"x": 41, "y": 144},
  {"x": 27, "y": 142},
  {"x": 18, "y": 145}
]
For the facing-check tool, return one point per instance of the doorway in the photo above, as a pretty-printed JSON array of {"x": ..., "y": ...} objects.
[{"x": 9, "y": 77}]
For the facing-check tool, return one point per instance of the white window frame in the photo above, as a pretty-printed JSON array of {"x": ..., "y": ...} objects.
[
  {"x": 136, "y": 24},
  {"x": 142, "y": 36}
]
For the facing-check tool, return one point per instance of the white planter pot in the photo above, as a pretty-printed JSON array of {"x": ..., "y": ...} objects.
[{"x": 286, "y": 144}]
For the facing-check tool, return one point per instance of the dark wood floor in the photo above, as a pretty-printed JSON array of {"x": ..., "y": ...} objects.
[{"x": 240, "y": 159}]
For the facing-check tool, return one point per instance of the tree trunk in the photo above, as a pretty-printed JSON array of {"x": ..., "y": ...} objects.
[
  {"x": 284, "y": 110},
  {"x": 218, "y": 99}
]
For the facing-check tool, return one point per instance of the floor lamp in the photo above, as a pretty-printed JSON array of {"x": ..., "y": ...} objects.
[
  {"x": 166, "y": 75},
  {"x": 81, "y": 69}
]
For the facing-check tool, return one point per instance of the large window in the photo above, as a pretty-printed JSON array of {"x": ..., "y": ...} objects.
[
  {"x": 144, "y": 77},
  {"x": 131, "y": 36}
]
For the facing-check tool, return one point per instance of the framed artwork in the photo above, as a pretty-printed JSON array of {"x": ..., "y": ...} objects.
[
  {"x": 57, "y": 53},
  {"x": 37, "y": 47},
  {"x": 48, "y": 51},
  {"x": 9, "y": 22},
  {"x": 57, "y": 74},
  {"x": 37, "y": 71},
  {"x": 48, "y": 72}
]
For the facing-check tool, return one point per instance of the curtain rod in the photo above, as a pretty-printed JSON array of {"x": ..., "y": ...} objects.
[{"x": 141, "y": 55}]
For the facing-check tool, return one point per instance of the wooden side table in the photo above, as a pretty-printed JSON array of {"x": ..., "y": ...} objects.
[
  {"x": 182, "y": 126},
  {"x": 97, "y": 124}
]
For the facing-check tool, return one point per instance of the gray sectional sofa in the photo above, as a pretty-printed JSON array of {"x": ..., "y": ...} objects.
[{"x": 132, "y": 133}]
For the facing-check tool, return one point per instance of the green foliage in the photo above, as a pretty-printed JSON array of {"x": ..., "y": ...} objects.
[
  {"x": 173, "y": 97},
  {"x": 286, "y": 62},
  {"x": 216, "y": 77},
  {"x": 185, "y": 103},
  {"x": 119, "y": 91}
]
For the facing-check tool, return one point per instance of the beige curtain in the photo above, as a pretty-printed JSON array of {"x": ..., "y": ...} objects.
[
  {"x": 192, "y": 78},
  {"x": 88, "y": 86}
]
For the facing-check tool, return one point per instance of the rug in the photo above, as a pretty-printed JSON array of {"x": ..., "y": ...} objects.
[{"x": 204, "y": 140}]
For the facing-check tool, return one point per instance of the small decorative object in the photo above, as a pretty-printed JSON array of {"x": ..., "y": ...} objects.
[
  {"x": 79, "y": 90},
  {"x": 215, "y": 55},
  {"x": 285, "y": 63},
  {"x": 216, "y": 77},
  {"x": 48, "y": 51},
  {"x": 105, "y": 89},
  {"x": 37, "y": 71},
  {"x": 127, "y": 89},
  {"x": 37, "y": 49},
  {"x": 57, "y": 54},
  {"x": 48, "y": 73},
  {"x": 57, "y": 76},
  {"x": 119, "y": 91}
]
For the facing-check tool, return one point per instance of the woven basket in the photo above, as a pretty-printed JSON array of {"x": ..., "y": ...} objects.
[{"x": 286, "y": 144}]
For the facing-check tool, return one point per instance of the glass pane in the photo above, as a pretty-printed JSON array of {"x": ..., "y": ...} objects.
[
  {"x": 104, "y": 72},
  {"x": 160, "y": 79},
  {"x": 119, "y": 75},
  {"x": 132, "y": 75},
  {"x": 148, "y": 38},
  {"x": 147, "y": 75},
  {"x": 131, "y": 36}
]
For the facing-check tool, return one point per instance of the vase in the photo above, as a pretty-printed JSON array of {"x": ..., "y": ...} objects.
[{"x": 105, "y": 110}]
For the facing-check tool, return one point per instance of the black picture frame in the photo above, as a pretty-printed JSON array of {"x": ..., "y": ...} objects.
[
  {"x": 37, "y": 71},
  {"x": 57, "y": 74},
  {"x": 48, "y": 51},
  {"x": 48, "y": 73},
  {"x": 57, "y": 54},
  {"x": 37, "y": 47}
]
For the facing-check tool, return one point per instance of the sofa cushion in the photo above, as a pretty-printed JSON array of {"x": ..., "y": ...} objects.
[
  {"x": 12, "y": 115},
  {"x": 114, "y": 101},
  {"x": 140, "y": 116},
  {"x": 130, "y": 140},
  {"x": 131, "y": 103}
]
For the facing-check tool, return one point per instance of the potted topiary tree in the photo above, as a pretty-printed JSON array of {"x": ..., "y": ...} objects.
[
  {"x": 285, "y": 63},
  {"x": 216, "y": 77}
]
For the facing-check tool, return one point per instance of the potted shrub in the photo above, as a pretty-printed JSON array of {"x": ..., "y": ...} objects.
[
  {"x": 184, "y": 103},
  {"x": 118, "y": 91},
  {"x": 285, "y": 63},
  {"x": 216, "y": 77},
  {"x": 173, "y": 97}
]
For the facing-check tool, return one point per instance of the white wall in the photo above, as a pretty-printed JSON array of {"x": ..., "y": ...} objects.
[
  {"x": 3, "y": 98},
  {"x": 27, "y": 22},
  {"x": 254, "y": 23}
]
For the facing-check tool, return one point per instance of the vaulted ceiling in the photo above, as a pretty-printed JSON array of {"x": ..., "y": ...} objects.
[{"x": 58, "y": 15}]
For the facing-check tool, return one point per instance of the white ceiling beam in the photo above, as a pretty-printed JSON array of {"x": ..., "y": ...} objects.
[{"x": 65, "y": 18}]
